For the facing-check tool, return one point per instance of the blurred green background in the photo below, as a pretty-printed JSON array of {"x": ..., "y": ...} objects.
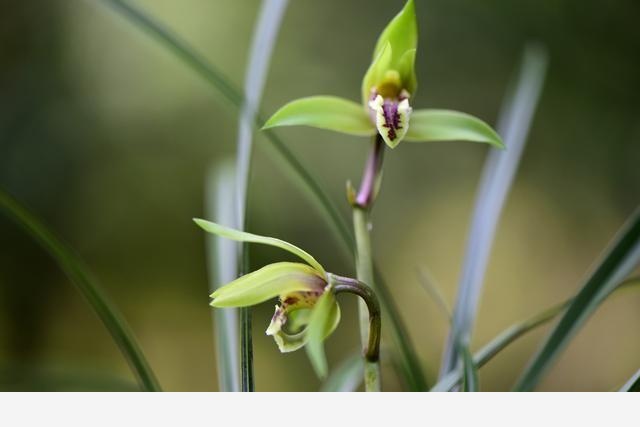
[{"x": 107, "y": 137}]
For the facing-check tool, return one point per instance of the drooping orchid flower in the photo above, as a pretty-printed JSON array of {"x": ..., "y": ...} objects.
[{"x": 307, "y": 311}]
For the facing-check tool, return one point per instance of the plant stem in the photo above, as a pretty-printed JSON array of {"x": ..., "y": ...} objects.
[
  {"x": 369, "y": 298},
  {"x": 364, "y": 261},
  {"x": 364, "y": 272}
]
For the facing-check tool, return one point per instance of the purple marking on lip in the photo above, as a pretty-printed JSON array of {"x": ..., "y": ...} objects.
[{"x": 391, "y": 118}]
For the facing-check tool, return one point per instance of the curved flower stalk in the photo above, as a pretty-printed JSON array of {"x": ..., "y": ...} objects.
[
  {"x": 307, "y": 312},
  {"x": 388, "y": 88}
]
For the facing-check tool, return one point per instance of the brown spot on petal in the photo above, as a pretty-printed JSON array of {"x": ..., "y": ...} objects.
[{"x": 290, "y": 301}]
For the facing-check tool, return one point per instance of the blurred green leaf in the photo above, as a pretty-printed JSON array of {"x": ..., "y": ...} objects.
[
  {"x": 324, "y": 112},
  {"x": 222, "y": 267},
  {"x": 270, "y": 281},
  {"x": 347, "y": 376},
  {"x": 469, "y": 370},
  {"x": 511, "y": 334},
  {"x": 324, "y": 318},
  {"x": 446, "y": 125},
  {"x": 262, "y": 44},
  {"x": 633, "y": 385},
  {"x": 428, "y": 284},
  {"x": 79, "y": 275},
  {"x": 39, "y": 378},
  {"x": 500, "y": 167},
  {"x": 620, "y": 259},
  {"x": 410, "y": 369},
  {"x": 242, "y": 236}
]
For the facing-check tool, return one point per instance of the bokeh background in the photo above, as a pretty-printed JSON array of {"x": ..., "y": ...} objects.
[{"x": 108, "y": 138}]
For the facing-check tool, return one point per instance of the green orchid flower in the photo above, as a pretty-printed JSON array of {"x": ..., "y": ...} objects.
[
  {"x": 387, "y": 91},
  {"x": 307, "y": 312}
]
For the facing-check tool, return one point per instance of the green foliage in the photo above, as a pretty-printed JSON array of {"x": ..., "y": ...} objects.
[
  {"x": 79, "y": 275},
  {"x": 470, "y": 371},
  {"x": 620, "y": 259},
  {"x": 511, "y": 334},
  {"x": 633, "y": 385},
  {"x": 393, "y": 67}
]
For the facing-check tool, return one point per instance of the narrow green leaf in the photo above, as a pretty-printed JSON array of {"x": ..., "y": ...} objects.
[
  {"x": 79, "y": 275},
  {"x": 469, "y": 369},
  {"x": 401, "y": 33},
  {"x": 324, "y": 112},
  {"x": 262, "y": 44},
  {"x": 41, "y": 378},
  {"x": 266, "y": 283},
  {"x": 500, "y": 167},
  {"x": 222, "y": 267},
  {"x": 411, "y": 370},
  {"x": 620, "y": 259},
  {"x": 633, "y": 385},
  {"x": 347, "y": 376},
  {"x": 447, "y": 125},
  {"x": 321, "y": 323},
  {"x": 429, "y": 285},
  {"x": 242, "y": 236},
  {"x": 511, "y": 334}
]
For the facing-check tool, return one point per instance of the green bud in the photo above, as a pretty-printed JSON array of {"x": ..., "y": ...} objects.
[{"x": 395, "y": 51}]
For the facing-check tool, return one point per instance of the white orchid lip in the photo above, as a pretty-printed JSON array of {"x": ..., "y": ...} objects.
[{"x": 391, "y": 117}]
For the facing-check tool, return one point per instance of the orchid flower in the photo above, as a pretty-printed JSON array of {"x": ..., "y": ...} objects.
[
  {"x": 307, "y": 311},
  {"x": 388, "y": 89}
]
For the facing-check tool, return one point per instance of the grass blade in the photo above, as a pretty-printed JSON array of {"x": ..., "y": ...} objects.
[
  {"x": 412, "y": 374},
  {"x": 428, "y": 283},
  {"x": 222, "y": 265},
  {"x": 46, "y": 379},
  {"x": 499, "y": 171},
  {"x": 347, "y": 377},
  {"x": 618, "y": 262},
  {"x": 75, "y": 269},
  {"x": 633, "y": 384},
  {"x": 511, "y": 334},
  {"x": 264, "y": 38},
  {"x": 469, "y": 371}
]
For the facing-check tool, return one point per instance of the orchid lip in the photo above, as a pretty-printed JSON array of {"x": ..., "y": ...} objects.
[{"x": 391, "y": 116}]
